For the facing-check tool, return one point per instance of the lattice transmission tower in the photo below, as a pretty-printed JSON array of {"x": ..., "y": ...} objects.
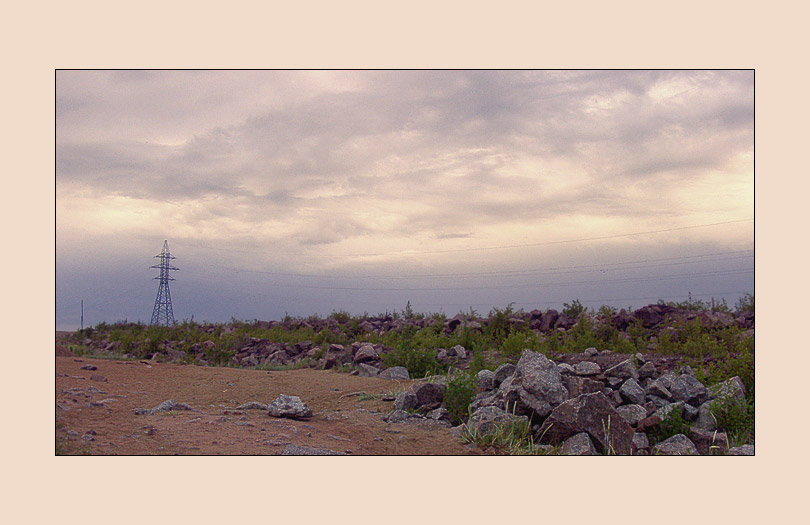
[{"x": 162, "y": 313}]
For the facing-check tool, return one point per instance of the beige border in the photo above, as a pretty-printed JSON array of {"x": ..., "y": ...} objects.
[{"x": 41, "y": 38}]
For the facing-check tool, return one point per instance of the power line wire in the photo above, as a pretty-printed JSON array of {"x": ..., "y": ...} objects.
[
  {"x": 460, "y": 250},
  {"x": 527, "y": 285},
  {"x": 558, "y": 270}
]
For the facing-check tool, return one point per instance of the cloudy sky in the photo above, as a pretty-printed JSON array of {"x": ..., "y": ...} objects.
[{"x": 307, "y": 192}]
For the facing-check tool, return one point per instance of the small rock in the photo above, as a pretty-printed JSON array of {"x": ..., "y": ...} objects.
[
  {"x": 396, "y": 373},
  {"x": 253, "y": 405},
  {"x": 590, "y": 352},
  {"x": 745, "y": 450},
  {"x": 587, "y": 368},
  {"x": 289, "y": 407},
  {"x": 624, "y": 370},
  {"x": 579, "y": 445},
  {"x": 295, "y": 450},
  {"x": 89, "y": 367},
  {"x": 565, "y": 368},
  {"x": 486, "y": 380},
  {"x": 633, "y": 414},
  {"x": 640, "y": 444},
  {"x": 98, "y": 377},
  {"x": 677, "y": 445},
  {"x": 632, "y": 392}
]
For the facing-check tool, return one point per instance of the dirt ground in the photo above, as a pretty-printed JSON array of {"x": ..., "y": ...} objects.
[{"x": 100, "y": 404}]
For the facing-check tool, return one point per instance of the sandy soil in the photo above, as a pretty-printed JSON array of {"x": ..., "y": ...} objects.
[{"x": 100, "y": 404}]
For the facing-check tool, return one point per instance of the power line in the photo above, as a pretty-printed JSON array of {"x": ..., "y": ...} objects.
[
  {"x": 554, "y": 270},
  {"x": 460, "y": 250},
  {"x": 537, "y": 285}
]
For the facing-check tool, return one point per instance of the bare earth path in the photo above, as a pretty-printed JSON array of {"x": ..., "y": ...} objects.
[{"x": 100, "y": 404}]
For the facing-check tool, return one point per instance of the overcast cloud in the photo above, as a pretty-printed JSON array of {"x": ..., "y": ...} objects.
[{"x": 363, "y": 180}]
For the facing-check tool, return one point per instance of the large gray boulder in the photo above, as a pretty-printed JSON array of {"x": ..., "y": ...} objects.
[
  {"x": 535, "y": 387},
  {"x": 591, "y": 413},
  {"x": 289, "y": 407}
]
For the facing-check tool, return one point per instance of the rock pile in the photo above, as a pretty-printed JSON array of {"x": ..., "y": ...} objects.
[{"x": 585, "y": 409}]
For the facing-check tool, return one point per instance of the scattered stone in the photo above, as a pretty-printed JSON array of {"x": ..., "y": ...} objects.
[
  {"x": 502, "y": 372},
  {"x": 429, "y": 395},
  {"x": 395, "y": 373},
  {"x": 486, "y": 380},
  {"x": 708, "y": 442},
  {"x": 579, "y": 445},
  {"x": 633, "y": 414},
  {"x": 731, "y": 388},
  {"x": 89, "y": 367},
  {"x": 640, "y": 444},
  {"x": 566, "y": 369},
  {"x": 365, "y": 354},
  {"x": 624, "y": 370},
  {"x": 289, "y": 407},
  {"x": 745, "y": 450},
  {"x": 295, "y": 450},
  {"x": 406, "y": 400},
  {"x": 590, "y": 352},
  {"x": 397, "y": 416},
  {"x": 657, "y": 388},
  {"x": 677, "y": 445},
  {"x": 587, "y": 368},
  {"x": 536, "y": 385},
  {"x": 486, "y": 419},
  {"x": 98, "y": 377},
  {"x": 705, "y": 419},
  {"x": 647, "y": 370},
  {"x": 253, "y": 405},
  {"x": 632, "y": 392},
  {"x": 591, "y": 413},
  {"x": 366, "y": 370}
]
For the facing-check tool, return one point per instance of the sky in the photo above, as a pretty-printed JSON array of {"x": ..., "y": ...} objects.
[{"x": 307, "y": 192}]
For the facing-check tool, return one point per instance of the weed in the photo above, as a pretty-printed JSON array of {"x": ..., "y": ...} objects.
[
  {"x": 671, "y": 425},
  {"x": 734, "y": 418},
  {"x": 461, "y": 388}
]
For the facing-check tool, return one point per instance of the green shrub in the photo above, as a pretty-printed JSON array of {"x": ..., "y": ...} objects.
[
  {"x": 461, "y": 388},
  {"x": 573, "y": 310},
  {"x": 734, "y": 418},
  {"x": 671, "y": 425},
  {"x": 420, "y": 362}
]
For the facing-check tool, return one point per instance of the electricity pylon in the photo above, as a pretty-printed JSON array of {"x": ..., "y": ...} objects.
[{"x": 162, "y": 313}]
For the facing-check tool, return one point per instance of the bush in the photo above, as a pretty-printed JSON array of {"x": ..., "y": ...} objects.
[
  {"x": 460, "y": 391},
  {"x": 573, "y": 310},
  {"x": 735, "y": 419},
  {"x": 673, "y": 424},
  {"x": 419, "y": 362}
]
